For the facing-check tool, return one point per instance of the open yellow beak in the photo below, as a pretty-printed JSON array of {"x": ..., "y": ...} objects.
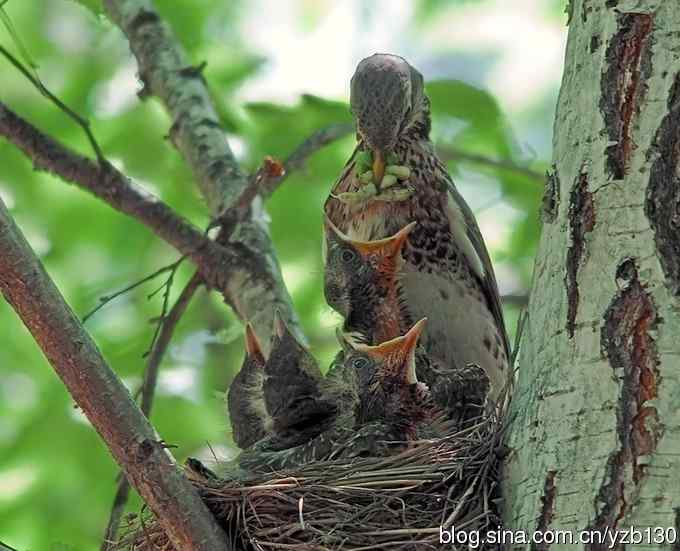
[{"x": 402, "y": 351}]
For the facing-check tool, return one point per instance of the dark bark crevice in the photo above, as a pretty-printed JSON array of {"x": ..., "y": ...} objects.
[
  {"x": 547, "y": 509},
  {"x": 662, "y": 203},
  {"x": 624, "y": 85},
  {"x": 626, "y": 342},
  {"x": 551, "y": 196},
  {"x": 582, "y": 222}
]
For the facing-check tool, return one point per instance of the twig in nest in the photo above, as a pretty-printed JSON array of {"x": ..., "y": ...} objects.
[{"x": 168, "y": 325}]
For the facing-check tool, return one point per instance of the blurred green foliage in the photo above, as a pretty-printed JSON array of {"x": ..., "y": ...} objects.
[{"x": 56, "y": 478}]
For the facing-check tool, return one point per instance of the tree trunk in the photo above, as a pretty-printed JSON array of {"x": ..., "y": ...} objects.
[{"x": 595, "y": 441}]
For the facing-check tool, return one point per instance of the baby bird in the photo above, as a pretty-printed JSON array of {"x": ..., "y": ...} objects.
[
  {"x": 361, "y": 284},
  {"x": 384, "y": 407},
  {"x": 248, "y": 415},
  {"x": 293, "y": 389},
  {"x": 389, "y": 390}
]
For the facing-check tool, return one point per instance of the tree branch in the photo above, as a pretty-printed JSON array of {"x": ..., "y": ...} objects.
[
  {"x": 225, "y": 266},
  {"x": 110, "y": 185},
  {"x": 196, "y": 132},
  {"x": 303, "y": 152},
  {"x": 101, "y": 396},
  {"x": 168, "y": 325},
  {"x": 452, "y": 154},
  {"x": 269, "y": 177}
]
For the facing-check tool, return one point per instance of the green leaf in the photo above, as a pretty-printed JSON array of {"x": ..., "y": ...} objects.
[
  {"x": 95, "y": 6},
  {"x": 456, "y": 101}
]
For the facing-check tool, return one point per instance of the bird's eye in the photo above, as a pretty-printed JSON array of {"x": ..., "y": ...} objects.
[
  {"x": 360, "y": 363},
  {"x": 348, "y": 255}
]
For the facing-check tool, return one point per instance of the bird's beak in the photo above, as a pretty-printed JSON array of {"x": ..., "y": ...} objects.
[
  {"x": 409, "y": 350},
  {"x": 253, "y": 348},
  {"x": 399, "y": 354},
  {"x": 389, "y": 245},
  {"x": 282, "y": 331},
  {"x": 378, "y": 167}
]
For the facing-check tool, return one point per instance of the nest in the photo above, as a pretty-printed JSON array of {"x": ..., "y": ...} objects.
[{"x": 396, "y": 502}]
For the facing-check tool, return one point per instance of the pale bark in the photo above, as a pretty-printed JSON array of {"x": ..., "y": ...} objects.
[
  {"x": 595, "y": 438},
  {"x": 198, "y": 135}
]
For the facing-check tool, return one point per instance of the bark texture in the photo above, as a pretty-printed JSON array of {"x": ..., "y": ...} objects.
[
  {"x": 101, "y": 395},
  {"x": 213, "y": 260},
  {"x": 198, "y": 135},
  {"x": 595, "y": 436}
]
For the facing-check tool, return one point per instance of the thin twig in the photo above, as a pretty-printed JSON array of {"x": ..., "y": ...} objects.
[
  {"x": 272, "y": 173},
  {"x": 453, "y": 154},
  {"x": 167, "y": 287},
  {"x": 297, "y": 159},
  {"x": 168, "y": 325},
  {"x": 80, "y": 121},
  {"x": 167, "y": 329},
  {"x": 103, "y": 301}
]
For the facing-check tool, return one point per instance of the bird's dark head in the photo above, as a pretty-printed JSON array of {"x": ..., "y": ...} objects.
[
  {"x": 287, "y": 353},
  {"x": 387, "y": 98},
  {"x": 359, "y": 273},
  {"x": 389, "y": 390}
]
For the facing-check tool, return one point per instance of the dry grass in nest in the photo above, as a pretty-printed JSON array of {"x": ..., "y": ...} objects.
[{"x": 396, "y": 502}]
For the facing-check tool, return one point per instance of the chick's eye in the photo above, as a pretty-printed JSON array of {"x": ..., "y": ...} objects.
[
  {"x": 359, "y": 363},
  {"x": 348, "y": 255}
]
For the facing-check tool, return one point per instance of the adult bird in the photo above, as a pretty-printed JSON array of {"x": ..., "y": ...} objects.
[{"x": 395, "y": 178}]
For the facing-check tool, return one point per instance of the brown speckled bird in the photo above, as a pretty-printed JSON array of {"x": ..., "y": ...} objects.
[
  {"x": 249, "y": 419},
  {"x": 395, "y": 178}
]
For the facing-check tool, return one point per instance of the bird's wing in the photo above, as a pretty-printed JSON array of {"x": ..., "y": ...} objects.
[{"x": 468, "y": 235}]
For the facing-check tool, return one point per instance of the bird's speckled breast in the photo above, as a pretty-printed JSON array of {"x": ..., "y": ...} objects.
[
  {"x": 438, "y": 281},
  {"x": 430, "y": 245}
]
